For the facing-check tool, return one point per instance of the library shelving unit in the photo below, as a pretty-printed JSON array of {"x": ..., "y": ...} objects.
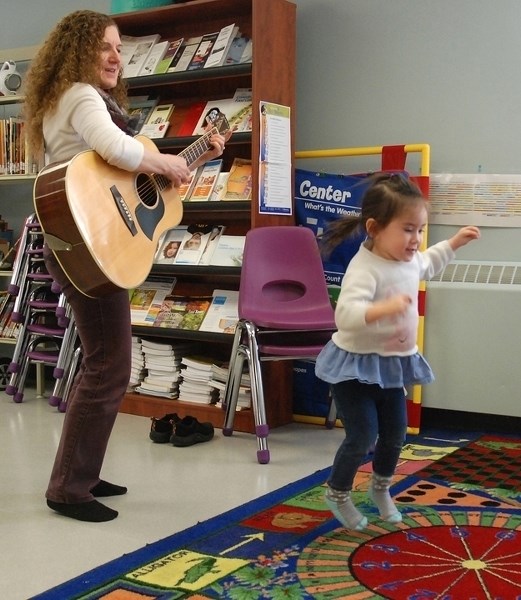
[
  {"x": 271, "y": 76},
  {"x": 9, "y": 106}
]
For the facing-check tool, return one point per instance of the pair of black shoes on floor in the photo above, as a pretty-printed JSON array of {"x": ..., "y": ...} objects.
[{"x": 180, "y": 432}]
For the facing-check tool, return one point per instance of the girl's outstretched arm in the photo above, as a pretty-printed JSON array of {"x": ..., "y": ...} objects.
[{"x": 464, "y": 236}]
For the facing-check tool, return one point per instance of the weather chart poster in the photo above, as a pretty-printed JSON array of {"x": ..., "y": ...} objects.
[{"x": 319, "y": 199}]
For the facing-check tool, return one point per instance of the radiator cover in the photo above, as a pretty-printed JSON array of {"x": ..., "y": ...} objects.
[{"x": 473, "y": 338}]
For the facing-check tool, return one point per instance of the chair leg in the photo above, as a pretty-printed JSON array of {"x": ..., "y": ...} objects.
[
  {"x": 233, "y": 357},
  {"x": 257, "y": 395},
  {"x": 331, "y": 417},
  {"x": 232, "y": 390},
  {"x": 63, "y": 386}
]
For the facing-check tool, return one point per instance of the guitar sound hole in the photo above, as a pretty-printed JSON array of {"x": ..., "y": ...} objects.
[{"x": 146, "y": 190}]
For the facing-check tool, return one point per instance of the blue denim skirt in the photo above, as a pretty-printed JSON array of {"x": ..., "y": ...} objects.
[{"x": 335, "y": 365}]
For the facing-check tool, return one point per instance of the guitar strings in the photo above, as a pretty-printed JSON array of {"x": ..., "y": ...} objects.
[{"x": 161, "y": 181}]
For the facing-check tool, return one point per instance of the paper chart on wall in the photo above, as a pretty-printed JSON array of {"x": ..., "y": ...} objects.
[
  {"x": 486, "y": 200},
  {"x": 275, "y": 159}
]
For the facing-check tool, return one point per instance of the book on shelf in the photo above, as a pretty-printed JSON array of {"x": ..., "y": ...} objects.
[
  {"x": 188, "y": 49},
  {"x": 162, "y": 354},
  {"x": 185, "y": 189},
  {"x": 158, "y": 121},
  {"x": 129, "y": 45},
  {"x": 182, "y": 312},
  {"x": 8, "y": 327},
  {"x": 173, "y": 349},
  {"x": 6, "y": 311},
  {"x": 203, "y": 51},
  {"x": 243, "y": 397},
  {"x": 135, "y": 52},
  {"x": 219, "y": 187},
  {"x": 139, "y": 111},
  {"x": 211, "y": 244},
  {"x": 194, "y": 243},
  {"x": 164, "y": 64},
  {"x": 238, "y": 111},
  {"x": 155, "y": 56},
  {"x": 238, "y": 47},
  {"x": 223, "y": 313},
  {"x": 229, "y": 251},
  {"x": 239, "y": 182},
  {"x": 247, "y": 53},
  {"x": 148, "y": 391},
  {"x": 206, "y": 396},
  {"x": 191, "y": 115},
  {"x": 196, "y": 374},
  {"x": 15, "y": 157},
  {"x": 206, "y": 180},
  {"x": 145, "y": 298},
  {"x": 166, "y": 386},
  {"x": 219, "y": 379},
  {"x": 169, "y": 244},
  {"x": 222, "y": 46}
]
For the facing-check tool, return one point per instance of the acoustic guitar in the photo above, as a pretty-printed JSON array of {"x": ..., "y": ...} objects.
[{"x": 102, "y": 223}]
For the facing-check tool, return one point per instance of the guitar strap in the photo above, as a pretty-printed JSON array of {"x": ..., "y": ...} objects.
[{"x": 127, "y": 123}]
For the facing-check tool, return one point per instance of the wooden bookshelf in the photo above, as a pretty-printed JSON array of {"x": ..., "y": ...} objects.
[{"x": 271, "y": 76}]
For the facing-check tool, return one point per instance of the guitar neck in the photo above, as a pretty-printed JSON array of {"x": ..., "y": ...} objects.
[
  {"x": 198, "y": 148},
  {"x": 192, "y": 153}
]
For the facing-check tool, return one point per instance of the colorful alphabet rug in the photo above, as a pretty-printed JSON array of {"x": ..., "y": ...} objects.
[{"x": 460, "y": 538}]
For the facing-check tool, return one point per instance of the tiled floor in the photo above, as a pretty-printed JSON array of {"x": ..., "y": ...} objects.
[{"x": 169, "y": 489}]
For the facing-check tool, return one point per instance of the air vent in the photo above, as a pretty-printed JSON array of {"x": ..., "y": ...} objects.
[{"x": 481, "y": 273}]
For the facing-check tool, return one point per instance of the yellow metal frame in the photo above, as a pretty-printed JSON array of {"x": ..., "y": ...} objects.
[{"x": 425, "y": 151}]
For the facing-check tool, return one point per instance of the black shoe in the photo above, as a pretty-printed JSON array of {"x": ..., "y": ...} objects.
[
  {"x": 105, "y": 488},
  {"x": 93, "y": 511},
  {"x": 161, "y": 429},
  {"x": 188, "y": 431}
]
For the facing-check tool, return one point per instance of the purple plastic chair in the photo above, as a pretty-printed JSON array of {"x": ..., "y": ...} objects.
[{"x": 285, "y": 313}]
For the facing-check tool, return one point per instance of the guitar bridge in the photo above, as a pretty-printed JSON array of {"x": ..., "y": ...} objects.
[{"x": 124, "y": 210}]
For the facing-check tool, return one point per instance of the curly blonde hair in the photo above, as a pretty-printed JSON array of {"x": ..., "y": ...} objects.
[{"x": 70, "y": 54}]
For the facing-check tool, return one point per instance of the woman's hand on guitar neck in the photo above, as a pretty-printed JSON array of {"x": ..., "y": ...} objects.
[
  {"x": 217, "y": 141},
  {"x": 172, "y": 166}
]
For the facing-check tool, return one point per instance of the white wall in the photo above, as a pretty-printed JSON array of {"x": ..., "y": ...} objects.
[
  {"x": 444, "y": 72},
  {"x": 27, "y": 22},
  {"x": 375, "y": 72}
]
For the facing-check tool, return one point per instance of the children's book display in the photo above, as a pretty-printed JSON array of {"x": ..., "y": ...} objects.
[
  {"x": 223, "y": 313},
  {"x": 238, "y": 111}
]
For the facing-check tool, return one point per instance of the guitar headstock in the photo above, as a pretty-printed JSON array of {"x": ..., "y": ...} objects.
[{"x": 219, "y": 124}]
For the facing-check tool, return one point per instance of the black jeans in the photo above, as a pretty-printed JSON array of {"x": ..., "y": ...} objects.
[
  {"x": 370, "y": 415},
  {"x": 105, "y": 333}
]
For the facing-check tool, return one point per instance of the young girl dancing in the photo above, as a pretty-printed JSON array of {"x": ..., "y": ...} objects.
[{"x": 374, "y": 354}]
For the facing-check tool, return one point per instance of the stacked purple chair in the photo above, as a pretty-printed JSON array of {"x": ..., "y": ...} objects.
[{"x": 47, "y": 335}]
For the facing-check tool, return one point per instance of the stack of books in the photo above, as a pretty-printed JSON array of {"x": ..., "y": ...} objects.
[
  {"x": 196, "y": 375},
  {"x": 163, "y": 365},
  {"x": 218, "y": 382},
  {"x": 137, "y": 372}
]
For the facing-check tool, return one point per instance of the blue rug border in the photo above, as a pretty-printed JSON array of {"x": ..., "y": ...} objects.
[{"x": 110, "y": 570}]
